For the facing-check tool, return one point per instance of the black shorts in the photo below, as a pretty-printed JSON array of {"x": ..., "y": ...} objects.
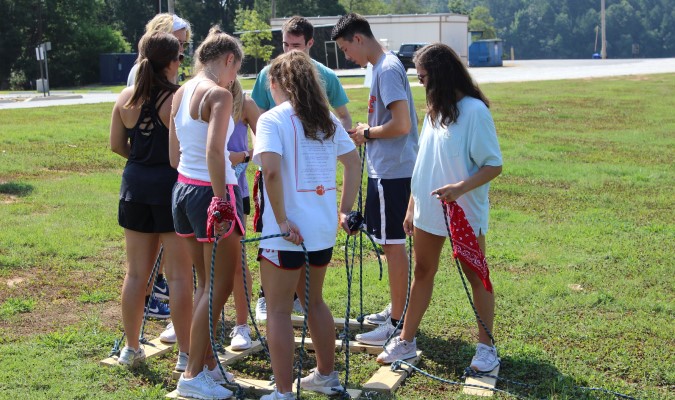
[
  {"x": 246, "y": 205},
  {"x": 190, "y": 205},
  {"x": 145, "y": 218},
  {"x": 295, "y": 259},
  {"x": 386, "y": 205}
]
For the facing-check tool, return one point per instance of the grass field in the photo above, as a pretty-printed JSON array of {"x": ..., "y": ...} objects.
[{"x": 581, "y": 249}]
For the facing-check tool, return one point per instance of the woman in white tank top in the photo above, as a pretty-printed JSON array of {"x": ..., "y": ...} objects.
[{"x": 201, "y": 124}]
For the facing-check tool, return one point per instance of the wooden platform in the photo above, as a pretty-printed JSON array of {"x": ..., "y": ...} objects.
[
  {"x": 339, "y": 323},
  {"x": 484, "y": 381},
  {"x": 387, "y": 381},
  {"x": 154, "y": 348},
  {"x": 354, "y": 346},
  {"x": 230, "y": 356}
]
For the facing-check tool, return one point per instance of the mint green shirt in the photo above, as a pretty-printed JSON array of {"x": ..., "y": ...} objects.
[{"x": 336, "y": 94}]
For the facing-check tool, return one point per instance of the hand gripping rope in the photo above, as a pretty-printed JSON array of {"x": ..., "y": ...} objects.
[
  {"x": 469, "y": 372},
  {"x": 115, "y": 351}
]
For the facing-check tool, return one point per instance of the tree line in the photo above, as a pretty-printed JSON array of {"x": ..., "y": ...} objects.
[{"x": 80, "y": 30}]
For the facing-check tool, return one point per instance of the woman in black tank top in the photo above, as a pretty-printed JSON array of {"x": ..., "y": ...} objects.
[{"x": 139, "y": 133}]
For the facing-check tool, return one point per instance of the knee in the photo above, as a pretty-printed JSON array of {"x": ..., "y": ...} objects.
[{"x": 425, "y": 272}]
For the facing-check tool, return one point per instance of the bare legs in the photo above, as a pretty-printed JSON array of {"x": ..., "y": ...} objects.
[
  {"x": 279, "y": 288},
  {"x": 240, "y": 304},
  {"x": 397, "y": 265},
  {"x": 177, "y": 264},
  {"x": 427, "y": 255}
]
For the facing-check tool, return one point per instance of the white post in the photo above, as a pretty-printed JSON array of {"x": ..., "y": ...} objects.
[{"x": 603, "y": 44}]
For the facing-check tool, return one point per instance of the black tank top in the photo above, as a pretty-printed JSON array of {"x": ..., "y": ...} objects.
[{"x": 148, "y": 177}]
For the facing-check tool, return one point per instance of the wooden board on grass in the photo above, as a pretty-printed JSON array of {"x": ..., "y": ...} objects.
[
  {"x": 339, "y": 323},
  {"x": 487, "y": 382},
  {"x": 354, "y": 346},
  {"x": 153, "y": 348},
  {"x": 387, "y": 381},
  {"x": 231, "y": 356}
]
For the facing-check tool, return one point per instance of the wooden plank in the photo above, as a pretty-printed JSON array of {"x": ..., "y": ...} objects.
[
  {"x": 258, "y": 388},
  {"x": 339, "y": 323},
  {"x": 354, "y": 346},
  {"x": 230, "y": 356},
  {"x": 387, "y": 381},
  {"x": 488, "y": 382},
  {"x": 153, "y": 348}
]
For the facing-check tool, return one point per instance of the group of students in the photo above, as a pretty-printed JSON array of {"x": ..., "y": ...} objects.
[{"x": 179, "y": 188}]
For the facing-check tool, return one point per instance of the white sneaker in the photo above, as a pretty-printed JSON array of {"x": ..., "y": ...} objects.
[
  {"x": 485, "y": 359},
  {"x": 380, "y": 317},
  {"x": 261, "y": 310},
  {"x": 398, "y": 349},
  {"x": 217, "y": 377},
  {"x": 181, "y": 363},
  {"x": 202, "y": 386},
  {"x": 169, "y": 334},
  {"x": 298, "y": 307},
  {"x": 241, "y": 337},
  {"x": 326, "y": 384},
  {"x": 378, "y": 336},
  {"x": 130, "y": 357},
  {"x": 278, "y": 396}
]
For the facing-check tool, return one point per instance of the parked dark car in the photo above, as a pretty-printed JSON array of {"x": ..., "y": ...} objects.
[{"x": 406, "y": 52}]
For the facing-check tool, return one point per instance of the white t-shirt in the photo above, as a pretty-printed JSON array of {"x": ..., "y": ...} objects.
[
  {"x": 308, "y": 170},
  {"x": 452, "y": 154}
]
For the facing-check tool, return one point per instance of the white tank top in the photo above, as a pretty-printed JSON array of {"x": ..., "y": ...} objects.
[{"x": 192, "y": 135}]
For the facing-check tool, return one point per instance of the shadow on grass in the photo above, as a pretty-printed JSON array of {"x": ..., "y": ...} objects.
[
  {"x": 448, "y": 359},
  {"x": 15, "y": 189}
]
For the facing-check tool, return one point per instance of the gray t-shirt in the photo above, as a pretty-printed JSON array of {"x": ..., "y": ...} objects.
[{"x": 390, "y": 158}]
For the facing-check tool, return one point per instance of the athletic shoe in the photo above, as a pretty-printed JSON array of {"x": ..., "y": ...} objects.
[
  {"x": 261, "y": 310},
  {"x": 202, "y": 386},
  {"x": 181, "y": 363},
  {"x": 130, "y": 357},
  {"x": 328, "y": 384},
  {"x": 298, "y": 307},
  {"x": 241, "y": 337},
  {"x": 278, "y": 396},
  {"x": 485, "y": 359},
  {"x": 380, "y": 317},
  {"x": 169, "y": 334},
  {"x": 379, "y": 335},
  {"x": 217, "y": 377},
  {"x": 157, "y": 309},
  {"x": 161, "y": 289},
  {"x": 398, "y": 349}
]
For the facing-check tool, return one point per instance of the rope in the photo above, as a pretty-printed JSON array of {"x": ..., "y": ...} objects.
[{"x": 115, "y": 351}]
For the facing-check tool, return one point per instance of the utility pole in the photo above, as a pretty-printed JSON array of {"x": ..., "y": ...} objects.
[
  {"x": 603, "y": 44},
  {"x": 274, "y": 9},
  {"x": 170, "y": 4}
]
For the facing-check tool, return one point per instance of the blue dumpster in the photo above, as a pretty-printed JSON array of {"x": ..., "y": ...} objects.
[
  {"x": 114, "y": 67},
  {"x": 486, "y": 53}
]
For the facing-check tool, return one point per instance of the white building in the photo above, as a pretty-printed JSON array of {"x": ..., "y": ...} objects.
[{"x": 394, "y": 30}]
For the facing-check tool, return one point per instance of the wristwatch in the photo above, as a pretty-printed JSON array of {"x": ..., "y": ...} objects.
[
  {"x": 366, "y": 133},
  {"x": 247, "y": 156}
]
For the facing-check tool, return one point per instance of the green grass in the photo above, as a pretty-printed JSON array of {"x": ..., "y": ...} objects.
[{"x": 580, "y": 248}]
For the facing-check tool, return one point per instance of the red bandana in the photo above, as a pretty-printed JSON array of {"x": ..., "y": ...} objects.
[{"x": 465, "y": 246}]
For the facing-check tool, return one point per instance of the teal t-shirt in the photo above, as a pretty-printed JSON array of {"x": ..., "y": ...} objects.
[{"x": 336, "y": 94}]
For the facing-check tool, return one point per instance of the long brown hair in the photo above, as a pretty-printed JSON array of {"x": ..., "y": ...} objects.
[
  {"x": 237, "y": 100},
  {"x": 158, "y": 50},
  {"x": 446, "y": 81},
  {"x": 296, "y": 75}
]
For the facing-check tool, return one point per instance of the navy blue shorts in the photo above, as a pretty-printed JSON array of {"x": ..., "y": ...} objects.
[
  {"x": 386, "y": 205},
  {"x": 295, "y": 259},
  {"x": 190, "y": 204}
]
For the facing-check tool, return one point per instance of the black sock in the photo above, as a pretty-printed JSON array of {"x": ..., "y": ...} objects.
[
  {"x": 147, "y": 298},
  {"x": 394, "y": 322},
  {"x": 160, "y": 277},
  {"x": 261, "y": 293}
]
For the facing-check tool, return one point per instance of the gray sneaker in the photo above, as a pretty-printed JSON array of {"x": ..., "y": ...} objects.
[
  {"x": 278, "y": 396},
  {"x": 326, "y": 384},
  {"x": 398, "y": 349},
  {"x": 379, "y": 335},
  {"x": 261, "y": 310},
  {"x": 202, "y": 386},
  {"x": 380, "y": 317},
  {"x": 298, "y": 308},
  {"x": 130, "y": 357},
  {"x": 485, "y": 359}
]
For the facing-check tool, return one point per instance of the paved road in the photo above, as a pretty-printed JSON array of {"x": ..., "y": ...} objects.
[{"x": 512, "y": 71}]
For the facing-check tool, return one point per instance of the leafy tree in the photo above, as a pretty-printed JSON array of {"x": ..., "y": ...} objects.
[
  {"x": 481, "y": 20},
  {"x": 366, "y": 7},
  {"x": 255, "y": 31}
]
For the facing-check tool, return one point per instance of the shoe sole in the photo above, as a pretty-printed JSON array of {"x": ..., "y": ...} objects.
[
  {"x": 239, "y": 348},
  {"x": 328, "y": 391},
  {"x": 372, "y": 342},
  {"x": 133, "y": 364},
  {"x": 405, "y": 357},
  {"x": 161, "y": 296},
  {"x": 487, "y": 370},
  {"x": 197, "y": 395},
  {"x": 167, "y": 341},
  {"x": 159, "y": 316}
]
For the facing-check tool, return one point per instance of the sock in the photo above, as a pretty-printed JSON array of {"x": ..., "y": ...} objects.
[
  {"x": 295, "y": 296},
  {"x": 160, "y": 277},
  {"x": 261, "y": 293},
  {"x": 394, "y": 322},
  {"x": 147, "y": 299}
]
